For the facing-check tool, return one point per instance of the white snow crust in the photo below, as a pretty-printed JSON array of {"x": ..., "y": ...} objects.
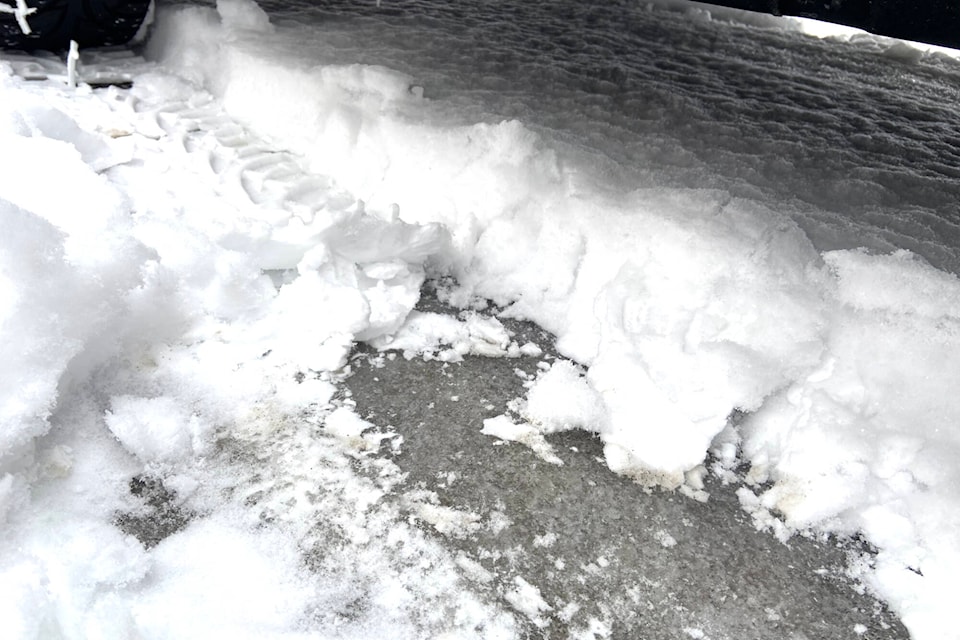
[{"x": 155, "y": 304}]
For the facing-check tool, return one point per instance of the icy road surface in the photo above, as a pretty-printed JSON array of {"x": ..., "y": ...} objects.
[{"x": 742, "y": 240}]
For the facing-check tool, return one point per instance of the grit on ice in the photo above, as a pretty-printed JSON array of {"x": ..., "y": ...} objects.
[{"x": 186, "y": 265}]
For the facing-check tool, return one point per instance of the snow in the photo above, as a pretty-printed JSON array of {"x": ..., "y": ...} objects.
[
  {"x": 156, "y": 429},
  {"x": 562, "y": 399},
  {"x": 193, "y": 578},
  {"x": 185, "y": 269},
  {"x": 505, "y": 429},
  {"x": 526, "y": 598}
]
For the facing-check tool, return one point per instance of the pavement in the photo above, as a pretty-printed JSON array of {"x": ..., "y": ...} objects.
[{"x": 602, "y": 552}]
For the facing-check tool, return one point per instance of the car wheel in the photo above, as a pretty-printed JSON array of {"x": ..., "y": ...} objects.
[{"x": 52, "y": 24}]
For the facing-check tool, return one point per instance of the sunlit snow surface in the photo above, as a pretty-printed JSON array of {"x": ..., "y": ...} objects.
[{"x": 730, "y": 226}]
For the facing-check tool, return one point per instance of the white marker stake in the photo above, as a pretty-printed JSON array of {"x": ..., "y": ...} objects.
[{"x": 72, "y": 59}]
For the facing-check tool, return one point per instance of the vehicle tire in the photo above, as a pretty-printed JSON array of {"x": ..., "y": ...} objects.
[{"x": 92, "y": 23}]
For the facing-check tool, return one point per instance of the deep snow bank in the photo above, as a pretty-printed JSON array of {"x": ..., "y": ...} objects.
[
  {"x": 710, "y": 303},
  {"x": 684, "y": 305}
]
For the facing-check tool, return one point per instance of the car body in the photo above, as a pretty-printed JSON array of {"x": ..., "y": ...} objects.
[{"x": 52, "y": 24}]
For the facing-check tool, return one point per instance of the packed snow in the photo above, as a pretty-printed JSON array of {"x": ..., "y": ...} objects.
[{"x": 187, "y": 264}]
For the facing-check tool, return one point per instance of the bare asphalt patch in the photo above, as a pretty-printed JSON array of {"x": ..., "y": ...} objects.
[{"x": 602, "y": 553}]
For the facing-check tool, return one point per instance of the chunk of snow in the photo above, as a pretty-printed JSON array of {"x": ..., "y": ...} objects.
[
  {"x": 504, "y": 428},
  {"x": 562, "y": 399},
  {"x": 526, "y": 599}
]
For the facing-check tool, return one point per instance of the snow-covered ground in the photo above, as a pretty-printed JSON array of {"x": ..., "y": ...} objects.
[{"x": 747, "y": 238}]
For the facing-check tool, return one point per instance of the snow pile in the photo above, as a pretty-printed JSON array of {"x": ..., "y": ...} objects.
[
  {"x": 159, "y": 324},
  {"x": 65, "y": 268},
  {"x": 704, "y": 303},
  {"x": 869, "y": 441},
  {"x": 685, "y": 305}
]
